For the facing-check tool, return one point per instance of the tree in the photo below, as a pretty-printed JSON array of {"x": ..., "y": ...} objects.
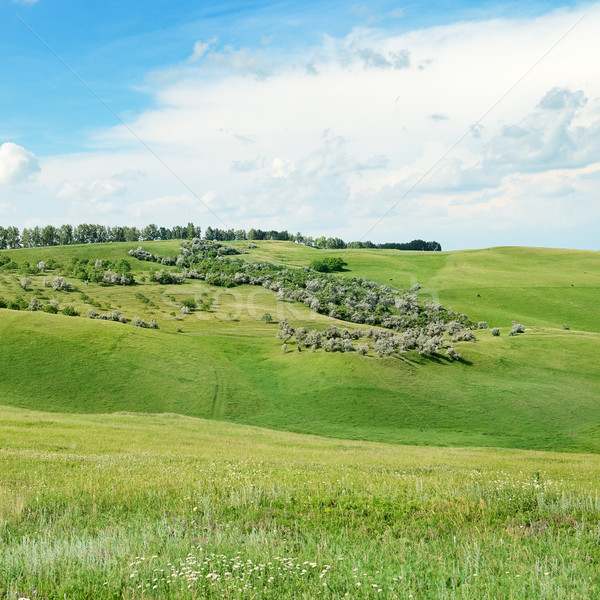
[
  {"x": 65, "y": 235},
  {"x": 25, "y": 282}
]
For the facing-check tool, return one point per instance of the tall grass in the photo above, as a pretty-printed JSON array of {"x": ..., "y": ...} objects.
[{"x": 140, "y": 506}]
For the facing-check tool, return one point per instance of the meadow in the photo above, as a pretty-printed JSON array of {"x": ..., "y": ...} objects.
[
  {"x": 198, "y": 460},
  {"x": 164, "y": 506},
  {"x": 538, "y": 391}
]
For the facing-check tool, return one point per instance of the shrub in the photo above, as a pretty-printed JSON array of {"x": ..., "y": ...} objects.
[
  {"x": 267, "y": 318},
  {"x": 91, "y": 313},
  {"x": 25, "y": 282},
  {"x": 190, "y": 303},
  {"x": 452, "y": 353},
  {"x": 362, "y": 349},
  {"x": 41, "y": 266},
  {"x": 465, "y": 335},
  {"x": 138, "y": 322},
  {"x": 496, "y": 331},
  {"x": 49, "y": 308},
  {"x": 114, "y": 315},
  {"x": 185, "y": 310},
  {"x": 35, "y": 304},
  {"x": 482, "y": 325},
  {"x": 70, "y": 311},
  {"x": 2, "y": 303},
  {"x": 516, "y": 329},
  {"x": 328, "y": 264},
  {"x": 60, "y": 283},
  {"x": 566, "y": 327}
]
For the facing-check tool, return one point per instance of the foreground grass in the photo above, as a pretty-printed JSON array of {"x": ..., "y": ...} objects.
[{"x": 172, "y": 507}]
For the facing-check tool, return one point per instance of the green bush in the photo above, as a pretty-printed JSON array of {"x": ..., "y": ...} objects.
[
  {"x": 188, "y": 302},
  {"x": 328, "y": 264},
  {"x": 496, "y": 331},
  {"x": 70, "y": 311}
]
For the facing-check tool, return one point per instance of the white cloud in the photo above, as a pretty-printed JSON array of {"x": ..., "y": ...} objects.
[
  {"x": 333, "y": 147},
  {"x": 201, "y": 48},
  {"x": 16, "y": 163}
]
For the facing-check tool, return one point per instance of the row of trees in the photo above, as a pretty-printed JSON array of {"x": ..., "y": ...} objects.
[
  {"x": 34, "y": 237},
  {"x": 11, "y": 237}
]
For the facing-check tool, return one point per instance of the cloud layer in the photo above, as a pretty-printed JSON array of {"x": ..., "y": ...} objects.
[{"x": 328, "y": 139}]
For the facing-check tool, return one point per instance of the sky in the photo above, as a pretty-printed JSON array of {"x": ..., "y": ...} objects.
[{"x": 474, "y": 124}]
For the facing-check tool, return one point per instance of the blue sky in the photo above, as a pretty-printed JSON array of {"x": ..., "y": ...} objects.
[{"x": 317, "y": 116}]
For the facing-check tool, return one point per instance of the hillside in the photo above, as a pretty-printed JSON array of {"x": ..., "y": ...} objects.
[{"x": 226, "y": 364}]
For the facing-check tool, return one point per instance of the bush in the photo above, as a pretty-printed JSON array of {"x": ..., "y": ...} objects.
[
  {"x": 362, "y": 349},
  {"x": 566, "y": 327},
  {"x": 189, "y": 303},
  {"x": 49, "y": 308},
  {"x": 452, "y": 353},
  {"x": 482, "y": 325},
  {"x": 25, "y": 282},
  {"x": 138, "y": 322},
  {"x": 516, "y": 329},
  {"x": 34, "y": 304},
  {"x": 465, "y": 335},
  {"x": 60, "y": 283},
  {"x": 267, "y": 318},
  {"x": 114, "y": 315},
  {"x": 328, "y": 264},
  {"x": 70, "y": 311},
  {"x": 496, "y": 331},
  {"x": 2, "y": 303}
]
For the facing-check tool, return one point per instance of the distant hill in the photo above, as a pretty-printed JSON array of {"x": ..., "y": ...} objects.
[{"x": 537, "y": 390}]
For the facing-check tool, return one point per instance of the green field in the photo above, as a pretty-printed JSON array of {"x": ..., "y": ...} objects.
[
  {"x": 539, "y": 390},
  {"x": 163, "y": 506},
  {"x": 198, "y": 460}
]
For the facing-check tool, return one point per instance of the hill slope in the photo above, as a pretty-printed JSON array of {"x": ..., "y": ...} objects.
[{"x": 539, "y": 390}]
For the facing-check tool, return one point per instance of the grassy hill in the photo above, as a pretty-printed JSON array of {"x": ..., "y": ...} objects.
[{"x": 539, "y": 390}]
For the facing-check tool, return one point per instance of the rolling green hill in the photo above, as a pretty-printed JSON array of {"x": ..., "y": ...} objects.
[{"x": 539, "y": 390}]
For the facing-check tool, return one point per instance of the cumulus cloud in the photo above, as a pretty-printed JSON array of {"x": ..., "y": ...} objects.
[
  {"x": 330, "y": 137},
  {"x": 16, "y": 163}
]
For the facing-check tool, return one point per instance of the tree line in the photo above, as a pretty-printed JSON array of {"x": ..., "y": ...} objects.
[{"x": 86, "y": 233}]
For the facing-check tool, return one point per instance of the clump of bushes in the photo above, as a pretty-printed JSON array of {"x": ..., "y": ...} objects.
[
  {"x": 139, "y": 322},
  {"x": 114, "y": 315},
  {"x": 60, "y": 283},
  {"x": 69, "y": 311}
]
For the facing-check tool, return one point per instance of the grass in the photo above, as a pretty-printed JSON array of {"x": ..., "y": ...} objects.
[
  {"x": 226, "y": 364},
  {"x": 113, "y": 506},
  {"x": 121, "y": 490}
]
